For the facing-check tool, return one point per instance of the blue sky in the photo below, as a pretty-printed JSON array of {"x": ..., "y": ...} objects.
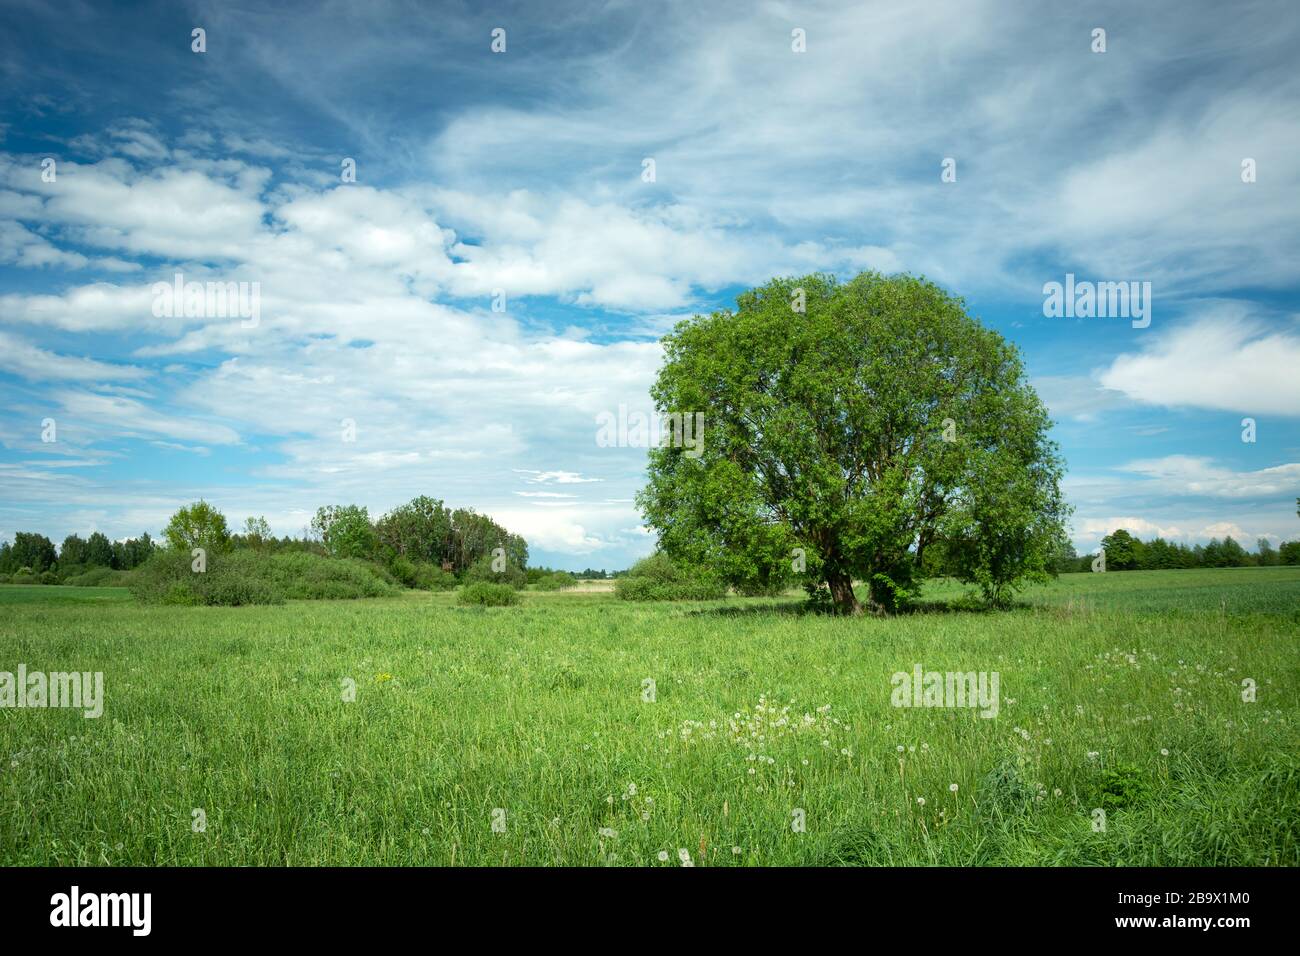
[{"x": 521, "y": 171}]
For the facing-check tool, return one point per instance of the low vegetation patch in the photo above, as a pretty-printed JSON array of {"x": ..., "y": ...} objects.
[
  {"x": 509, "y": 575},
  {"x": 249, "y": 577},
  {"x": 98, "y": 578},
  {"x": 555, "y": 581},
  {"x": 658, "y": 578},
  {"x": 487, "y": 594}
]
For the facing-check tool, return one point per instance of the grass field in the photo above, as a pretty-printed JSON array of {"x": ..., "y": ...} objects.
[{"x": 1120, "y": 691}]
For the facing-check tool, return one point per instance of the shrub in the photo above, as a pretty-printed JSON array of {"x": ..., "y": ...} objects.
[
  {"x": 658, "y": 578},
  {"x": 168, "y": 578},
  {"x": 383, "y": 573},
  {"x": 49, "y": 577},
  {"x": 555, "y": 581},
  {"x": 403, "y": 569},
  {"x": 513, "y": 575},
  {"x": 487, "y": 594},
  {"x": 235, "y": 590},
  {"x": 430, "y": 577},
  {"x": 305, "y": 576},
  {"x": 97, "y": 578},
  {"x": 762, "y": 588}
]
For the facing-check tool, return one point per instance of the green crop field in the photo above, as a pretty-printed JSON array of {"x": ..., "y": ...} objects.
[{"x": 532, "y": 735}]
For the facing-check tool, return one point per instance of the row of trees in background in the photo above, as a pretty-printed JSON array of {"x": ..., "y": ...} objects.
[
  {"x": 422, "y": 543},
  {"x": 1125, "y": 552},
  {"x": 35, "y": 554}
]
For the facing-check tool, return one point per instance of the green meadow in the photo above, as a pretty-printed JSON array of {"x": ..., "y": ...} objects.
[{"x": 580, "y": 730}]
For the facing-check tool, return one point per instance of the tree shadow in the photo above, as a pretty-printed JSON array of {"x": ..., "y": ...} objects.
[
  {"x": 786, "y": 608},
  {"x": 961, "y": 605}
]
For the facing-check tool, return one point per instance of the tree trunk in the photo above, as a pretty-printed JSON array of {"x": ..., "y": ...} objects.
[{"x": 841, "y": 585}]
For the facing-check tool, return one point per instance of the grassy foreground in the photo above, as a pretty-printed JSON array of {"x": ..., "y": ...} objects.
[{"x": 1119, "y": 691}]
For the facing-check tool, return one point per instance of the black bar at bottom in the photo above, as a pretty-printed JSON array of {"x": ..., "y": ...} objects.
[{"x": 336, "y": 905}]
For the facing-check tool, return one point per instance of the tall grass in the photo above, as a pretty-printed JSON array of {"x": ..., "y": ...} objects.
[{"x": 1119, "y": 691}]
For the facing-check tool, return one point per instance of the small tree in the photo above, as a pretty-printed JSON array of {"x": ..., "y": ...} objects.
[
  {"x": 345, "y": 530},
  {"x": 1234, "y": 555},
  {"x": 1121, "y": 551},
  {"x": 1066, "y": 559},
  {"x": 136, "y": 551},
  {"x": 99, "y": 550},
  {"x": 256, "y": 532},
  {"x": 72, "y": 552},
  {"x": 198, "y": 525},
  {"x": 510, "y": 573}
]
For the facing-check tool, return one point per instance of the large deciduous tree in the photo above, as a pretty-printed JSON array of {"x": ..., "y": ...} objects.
[
  {"x": 424, "y": 529},
  {"x": 1122, "y": 550},
  {"x": 849, "y": 427},
  {"x": 33, "y": 551}
]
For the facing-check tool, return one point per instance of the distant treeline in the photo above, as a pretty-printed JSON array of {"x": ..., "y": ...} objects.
[
  {"x": 34, "y": 554},
  {"x": 422, "y": 543},
  {"x": 1124, "y": 552}
]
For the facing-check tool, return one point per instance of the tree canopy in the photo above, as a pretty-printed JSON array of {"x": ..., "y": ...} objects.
[
  {"x": 849, "y": 427},
  {"x": 198, "y": 525}
]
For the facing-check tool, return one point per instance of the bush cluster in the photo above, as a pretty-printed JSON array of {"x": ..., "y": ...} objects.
[
  {"x": 481, "y": 571},
  {"x": 554, "y": 581},
  {"x": 487, "y": 594},
  {"x": 657, "y": 578},
  {"x": 249, "y": 577}
]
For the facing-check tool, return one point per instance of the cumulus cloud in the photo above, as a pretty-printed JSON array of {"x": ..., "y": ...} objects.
[
  {"x": 1192, "y": 475},
  {"x": 1224, "y": 360},
  {"x": 525, "y": 186}
]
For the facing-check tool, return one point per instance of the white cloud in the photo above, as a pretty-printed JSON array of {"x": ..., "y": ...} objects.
[
  {"x": 115, "y": 416},
  {"x": 376, "y": 295},
  {"x": 1192, "y": 475},
  {"x": 555, "y": 477},
  {"x": 37, "y": 364},
  {"x": 1189, "y": 530},
  {"x": 1222, "y": 361},
  {"x": 171, "y": 212}
]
